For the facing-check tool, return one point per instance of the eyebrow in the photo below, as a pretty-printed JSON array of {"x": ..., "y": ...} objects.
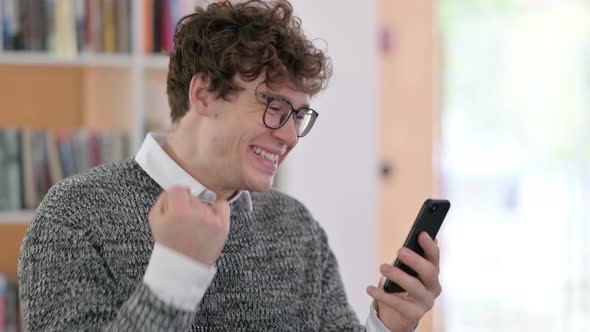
[{"x": 278, "y": 96}]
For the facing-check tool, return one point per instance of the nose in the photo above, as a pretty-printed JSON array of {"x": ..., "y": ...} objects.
[{"x": 287, "y": 133}]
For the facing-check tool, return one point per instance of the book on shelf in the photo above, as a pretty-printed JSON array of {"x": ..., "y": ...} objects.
[
  {"x": 160, "y": 19},
  {"x": 32, "y": 161},
  {"x": 56, "y": 172},
  {"x": 67, "y": 27},
  {"x": 10, "y": 320},
  {"x": 108, "y": 19},
  {"x": 40, "y": 166},
  {"x": 29, "y": 194},
  {"x": 122, "y": 13},
  {"x": 11, "y": 172}
]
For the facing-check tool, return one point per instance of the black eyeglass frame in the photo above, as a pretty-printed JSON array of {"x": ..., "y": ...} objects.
[{"x": 268, "y": 99}]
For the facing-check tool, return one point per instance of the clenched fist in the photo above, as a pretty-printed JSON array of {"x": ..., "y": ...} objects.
[{"x": 181, "y": 222}]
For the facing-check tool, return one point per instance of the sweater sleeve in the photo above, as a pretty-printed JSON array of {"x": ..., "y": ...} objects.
[
  {"x": 65, "y": 285},
  {"x": 337, "y": 314}
]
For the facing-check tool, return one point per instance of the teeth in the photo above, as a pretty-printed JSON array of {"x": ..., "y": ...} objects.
[{"x": 264, "y": 154}]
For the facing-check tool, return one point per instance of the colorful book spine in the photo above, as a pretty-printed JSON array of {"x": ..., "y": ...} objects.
[
  {"x": 3, "y": 303},
  {"x": 148, "y": 26},
  {"x": 160, "y": 20},
  {"x": 66, "y": 27},
  {"x": 10, "y": 170},
  {"x": 108, "y": 21},
  {"x": 32, "y": 161}
]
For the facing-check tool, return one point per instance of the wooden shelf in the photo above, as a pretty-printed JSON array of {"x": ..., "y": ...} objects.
[
  {"x": 11, "y": 237},
  {"x": 42, "y": 97},
  {"x": 27, "y": 58},
  {"x": 159, "y": 61},
  {"x": 17, "y": 217}
]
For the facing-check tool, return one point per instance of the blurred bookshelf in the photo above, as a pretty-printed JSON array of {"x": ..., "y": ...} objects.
[
  {"x": 85, "y": 65},
  {"x": 77, "y": 78}
]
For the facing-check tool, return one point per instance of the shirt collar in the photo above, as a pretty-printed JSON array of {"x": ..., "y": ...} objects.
[{"x": 167, "y": 173}]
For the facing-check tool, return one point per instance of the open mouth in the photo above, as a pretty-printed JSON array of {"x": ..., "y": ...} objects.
[{"x": 274, "y": 158}]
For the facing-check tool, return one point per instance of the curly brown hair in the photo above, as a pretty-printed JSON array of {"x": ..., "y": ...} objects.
[{"x": 247, "y": 38}]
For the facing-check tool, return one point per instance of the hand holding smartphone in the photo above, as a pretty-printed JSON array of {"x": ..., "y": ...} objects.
[{"x": 429, "y": 220}]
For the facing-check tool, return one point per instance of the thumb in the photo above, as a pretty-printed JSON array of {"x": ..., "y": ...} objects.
[
  {"x": 221, "y": 207},
  {"x": 221, "y": 210},
  {"x": 160, "y": 206}
]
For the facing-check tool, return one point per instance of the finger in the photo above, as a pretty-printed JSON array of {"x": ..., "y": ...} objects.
[
  {"x": 410, "y": 284},
  {"x": 427, "y": 272},
  {"x": 431, "y": 249},
  {"x": 409, "y": 310},
  {"x": 382, "y": 281}
]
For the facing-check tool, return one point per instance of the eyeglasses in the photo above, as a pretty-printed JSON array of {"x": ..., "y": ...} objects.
[{"x": 279, "y": 110}]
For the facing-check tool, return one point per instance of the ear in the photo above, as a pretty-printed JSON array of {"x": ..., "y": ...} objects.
[{"x": 198, "y": 95}]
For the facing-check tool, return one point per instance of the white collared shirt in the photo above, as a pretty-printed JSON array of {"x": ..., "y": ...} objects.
[{"x": 175, "y": 278}]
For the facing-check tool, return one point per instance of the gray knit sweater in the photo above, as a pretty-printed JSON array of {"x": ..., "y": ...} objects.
[{"x": 84, "y": 256}]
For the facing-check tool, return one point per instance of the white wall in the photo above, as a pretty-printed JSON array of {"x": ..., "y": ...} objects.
[{"x": 333, "y": 170}]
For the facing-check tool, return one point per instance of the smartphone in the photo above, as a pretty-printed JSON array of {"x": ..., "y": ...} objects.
[{"x": 429, "y": 220}]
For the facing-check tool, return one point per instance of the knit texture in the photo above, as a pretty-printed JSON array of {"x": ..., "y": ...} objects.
[{"x": 84, "y": 256}]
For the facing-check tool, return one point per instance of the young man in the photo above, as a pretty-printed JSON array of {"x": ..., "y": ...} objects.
[{"x": 188, "y": 235}]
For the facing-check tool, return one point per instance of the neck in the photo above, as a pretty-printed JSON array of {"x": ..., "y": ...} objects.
[{"x": 174, "y": 148}]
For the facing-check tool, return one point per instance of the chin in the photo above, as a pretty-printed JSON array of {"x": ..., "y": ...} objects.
[{"x": 260, "y": 185}]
